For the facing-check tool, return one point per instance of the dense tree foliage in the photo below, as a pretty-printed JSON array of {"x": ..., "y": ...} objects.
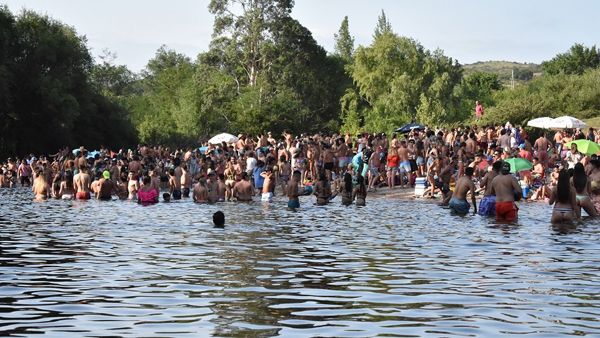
[
  {"x": 46, "y": 98},
  {"x": 576, "y": 95},
  {"x": 576, "y": 61},
  {"x": 400, "y": 81},
  {"x": 344, "y": 42}
]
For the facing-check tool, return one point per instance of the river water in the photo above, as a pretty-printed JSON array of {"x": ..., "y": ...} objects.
[{"x": 394, "y": 268}]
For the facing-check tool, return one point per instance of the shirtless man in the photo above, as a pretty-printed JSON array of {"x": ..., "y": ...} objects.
[
  {"x": 186, "y": 181},
  {"x": 135, "y": 166},
  {"x": 174, "y": 185},
  {"x": 82, "y": 182},
  {"x": 212, "y": 186},
  {"x": 105, "y": 187},
  {"x": 506, "y": 187},
  {"x": 328, "y": 160},
  {"x": 558, "y": 141},
  {"x": 268, "y": 185},
  {"x": 464, "y": 185},
  {"x": 221, "y": 188},
  {"x": 293, "y": 191},
  {"x": 541, "y": 146},
  {"x": 374, "y": 164},
  {"x": 285, "y": 171},
  {"x": 243, "y": 190},
  {"x": 341, "y": 153},
  {"x": 471, "y": 146},
  {"x": 24, "y": 173},
  {"x": 487, "y": 206},
  {"x": 200, "y": 194},
  {"x": 404, "y": 166}
]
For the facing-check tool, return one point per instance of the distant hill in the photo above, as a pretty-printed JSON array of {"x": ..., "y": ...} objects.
[{"x": 523, "y": 71}]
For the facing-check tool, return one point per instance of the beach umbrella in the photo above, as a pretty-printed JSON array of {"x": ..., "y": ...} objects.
[
  {"x": 540, "y": 122},
  {"x": 411, "y": 126},
  {"x": 223, "y": 137},
  {"x": 585, "y": 146},
  {"x": 518, "y": 164},
  {"x": 566, "y": 122}
]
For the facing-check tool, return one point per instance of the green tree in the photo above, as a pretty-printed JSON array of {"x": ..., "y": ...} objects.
[
  {"x": 478, "y": 86},
  {"x": 8, "y": 55},
  {"x": 401, "y": 81},
  {"x": 383, "y": 26},
  {"x": 555, "y": 95},
  {"x": 242, "y": 27},
  {"x": 575, "y": 61},
  {"x": 165, "y": 113},
  {"x": 344, "y": 42}
]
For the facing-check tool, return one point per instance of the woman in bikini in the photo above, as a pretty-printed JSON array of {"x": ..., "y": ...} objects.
[
  {"x": 40, "y": 187},
  {"x": 594, "y": 179},
  {"x": 566, "y": 209},
  {"x": 582, "y": 189},
  {"x": 67, "y": 189}
]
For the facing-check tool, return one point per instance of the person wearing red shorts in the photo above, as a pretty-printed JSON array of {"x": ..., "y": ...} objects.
[{"x": 506, "y": 188}]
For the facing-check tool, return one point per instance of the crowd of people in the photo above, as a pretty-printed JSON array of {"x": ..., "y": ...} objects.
[{"x": 456, "y": 164}]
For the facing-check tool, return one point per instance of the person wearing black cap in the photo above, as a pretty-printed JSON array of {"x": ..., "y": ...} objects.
[{"x": 506, "y": 188}]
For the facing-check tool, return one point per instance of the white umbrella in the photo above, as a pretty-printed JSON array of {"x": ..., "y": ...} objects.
[
  {"x": 223, "y": 137},
  {"x": 540, "y": 122},
  {"x": 566, "y": 122}
]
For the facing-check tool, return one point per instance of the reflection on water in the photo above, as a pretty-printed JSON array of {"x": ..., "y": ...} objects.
[{"x": 75, "y": 269}]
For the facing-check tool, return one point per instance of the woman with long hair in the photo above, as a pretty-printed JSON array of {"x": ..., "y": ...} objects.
[
  {"x": 594, "y": 179},
  {"x": 56, "y": 185},
  {"x": 40, "y": 186},
  {"x": 67, "y": 190},
  {"x": 346, "y": 190},
  {"x": 582, "y": 189},
  {"x": 360, "y": 192},
  {"x": 564, "y": 200}
]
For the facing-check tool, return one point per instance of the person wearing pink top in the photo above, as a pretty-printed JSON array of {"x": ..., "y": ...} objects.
[
  {"x": 478, "y": 110},
  {"x": 147, "y": 193}
]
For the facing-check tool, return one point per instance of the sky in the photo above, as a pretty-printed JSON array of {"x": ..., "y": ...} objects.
[{"x": 467, "y": 30}]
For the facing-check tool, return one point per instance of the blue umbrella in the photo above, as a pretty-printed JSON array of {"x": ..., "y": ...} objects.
[{"x": 411, "y": 126}]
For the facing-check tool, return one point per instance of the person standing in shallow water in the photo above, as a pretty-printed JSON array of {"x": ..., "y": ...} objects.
[
  {"x": 360, "y": 192},
  {"x": 323, "y": 190},
  {"x": 506, "y": 188},
  {"x": 346, "y": 190},
  {"x": 458, "y": 203},
  {"x": 487, "y": 206},
  {"x": 564, "y": 199},
  {"x": 293, "y": 190}
]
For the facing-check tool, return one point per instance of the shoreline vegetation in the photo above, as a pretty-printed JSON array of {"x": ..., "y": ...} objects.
[{"x": 271, "y": 75}]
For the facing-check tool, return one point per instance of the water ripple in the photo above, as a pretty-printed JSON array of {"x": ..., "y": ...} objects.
[{"x": 395, "y": 268}]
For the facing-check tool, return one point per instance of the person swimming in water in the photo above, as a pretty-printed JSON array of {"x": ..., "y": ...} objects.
[{"x": 219, "y": 219}]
